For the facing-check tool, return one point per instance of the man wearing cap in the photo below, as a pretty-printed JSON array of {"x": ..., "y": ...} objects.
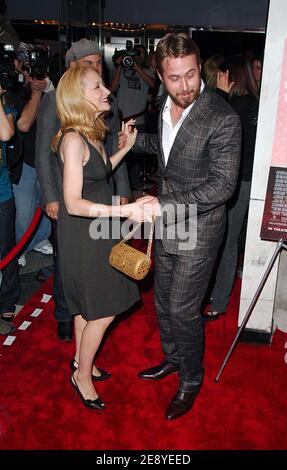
[{"x": 82, "y": 52}]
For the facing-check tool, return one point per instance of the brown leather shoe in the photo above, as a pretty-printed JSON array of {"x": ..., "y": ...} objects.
[
  {"x": 181, "y": 403},
  {"x": 158, "y": 372}
]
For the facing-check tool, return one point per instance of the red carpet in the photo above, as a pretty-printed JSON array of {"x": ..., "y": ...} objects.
[{"x": 39, "y": 408}]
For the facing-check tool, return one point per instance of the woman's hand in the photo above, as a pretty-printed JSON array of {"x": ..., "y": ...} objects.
[
  {"x": 128, "y": 135},
  {"x": 135, "y": 212},
  {"x": 122, "y": 139},
  {"x": 127, "y": 138},
  {"x": 223, "y": 82}
]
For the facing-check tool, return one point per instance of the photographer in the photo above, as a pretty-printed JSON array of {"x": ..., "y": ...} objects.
[
  {"x": 9, "y": 283},
  {"x": 27, "y": 191},
  {"x": 132, "y": 83}
]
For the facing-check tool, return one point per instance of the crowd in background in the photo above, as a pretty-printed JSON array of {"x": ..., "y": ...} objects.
[{"x": 138, "y": 93}]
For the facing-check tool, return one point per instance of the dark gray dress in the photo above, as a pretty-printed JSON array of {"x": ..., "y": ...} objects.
[{"x": 91, "y": 286}]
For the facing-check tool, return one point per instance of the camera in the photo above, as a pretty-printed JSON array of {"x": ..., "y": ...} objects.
[
  {"x": 7, "y": 52},
  {"x": 38, "y": 64},
  {"x": 8, "y": 75},
  {"x": 129, "y": 54}
]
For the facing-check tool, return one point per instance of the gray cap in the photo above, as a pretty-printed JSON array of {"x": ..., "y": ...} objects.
[{"x": 80, "y": 49}]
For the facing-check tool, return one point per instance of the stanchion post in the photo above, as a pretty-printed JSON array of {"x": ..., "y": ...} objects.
[{"x": 278, "y": 248}]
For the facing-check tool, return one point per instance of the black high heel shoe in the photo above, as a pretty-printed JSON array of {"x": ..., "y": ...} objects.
[
  {"x": 97, "y": 404},
  {"x": 99, "y": 378}
]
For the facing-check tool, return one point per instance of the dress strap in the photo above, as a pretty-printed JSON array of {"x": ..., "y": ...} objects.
[{"x": 72, "y": 129}]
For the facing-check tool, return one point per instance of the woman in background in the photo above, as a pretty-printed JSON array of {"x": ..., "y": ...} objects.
[{"x": 241, "y": 91}]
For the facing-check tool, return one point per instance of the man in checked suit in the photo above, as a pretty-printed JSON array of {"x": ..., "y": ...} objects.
[{"x": 198, "y": 146}]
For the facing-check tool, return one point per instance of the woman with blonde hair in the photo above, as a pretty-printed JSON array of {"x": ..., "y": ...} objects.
[
  {"x": 94, "y": 291},
  {"x": 211, "y": 69}
]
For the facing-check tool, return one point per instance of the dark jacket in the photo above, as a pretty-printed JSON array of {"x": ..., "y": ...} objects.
[{"x": 202, "y": 169}]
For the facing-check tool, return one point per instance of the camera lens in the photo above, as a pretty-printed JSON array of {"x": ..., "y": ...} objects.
[{"x": 128, "y": 61}]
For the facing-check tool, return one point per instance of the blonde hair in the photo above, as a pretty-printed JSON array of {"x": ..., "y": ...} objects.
[
  {"x": 73, "y": 108},
  {"x": 211, "y": 69}
]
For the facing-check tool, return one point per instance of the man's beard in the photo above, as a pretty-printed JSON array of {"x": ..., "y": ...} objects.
[{"x": 186, "y": 99}]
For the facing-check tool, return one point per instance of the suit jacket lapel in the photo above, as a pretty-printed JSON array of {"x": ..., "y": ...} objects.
[
  {"x": 184, "y": 131},
  {"x": 162, "y": 159}
]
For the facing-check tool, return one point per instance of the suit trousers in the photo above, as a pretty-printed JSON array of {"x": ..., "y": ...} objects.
[{"x": 181, "y": 282}]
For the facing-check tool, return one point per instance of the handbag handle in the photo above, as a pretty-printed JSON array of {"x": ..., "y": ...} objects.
[{"x": 151, "y": 232}]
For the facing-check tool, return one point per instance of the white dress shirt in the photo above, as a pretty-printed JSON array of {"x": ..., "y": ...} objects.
[{"x": 169, "y": 133}]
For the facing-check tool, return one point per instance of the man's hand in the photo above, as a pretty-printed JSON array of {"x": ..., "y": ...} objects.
[
  {"x": 135, "y": 212},
  {"x": 37, "y": 85},
  {"x": 119, "y": 61},
  {"x": 136, "y": 67},
  {"x": 150, "y": 205},
  {"x": 52, "y": 210}
]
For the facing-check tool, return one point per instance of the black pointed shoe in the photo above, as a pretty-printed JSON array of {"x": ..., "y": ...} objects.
[
  {"x": 104, "y": 375},
  {"x": 97, "y": 404},
  {"x": 211, "y": 315},
  {"x": 181, "y": 404},
  {"x": 158, "y": 372}
]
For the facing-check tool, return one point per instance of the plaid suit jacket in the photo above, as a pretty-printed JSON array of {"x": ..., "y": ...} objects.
[{"x": 202, "y": 170}]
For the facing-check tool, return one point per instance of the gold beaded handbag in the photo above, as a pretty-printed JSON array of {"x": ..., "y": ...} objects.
[{"x": 128, "y": 260}]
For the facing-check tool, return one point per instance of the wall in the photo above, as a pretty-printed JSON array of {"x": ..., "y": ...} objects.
[
  {"x": 258, "y": 252},
  {"x": 32, "y": 9},
  {"x": 224, "y": 13}
]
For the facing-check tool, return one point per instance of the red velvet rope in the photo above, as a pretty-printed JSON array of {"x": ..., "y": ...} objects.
[{"x": 17, "y": 248}]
